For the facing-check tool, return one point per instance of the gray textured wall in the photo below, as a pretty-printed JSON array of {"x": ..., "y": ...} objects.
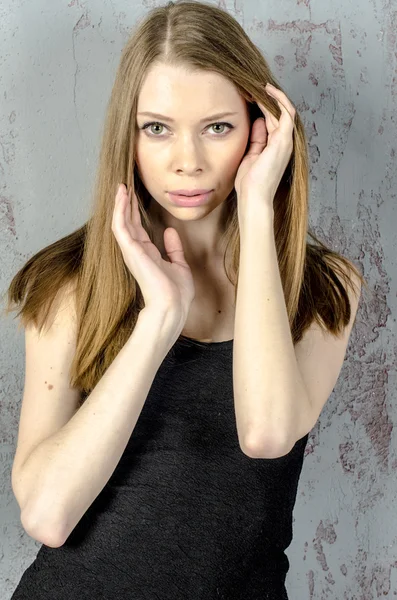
[{"x": 338, "y": 64}]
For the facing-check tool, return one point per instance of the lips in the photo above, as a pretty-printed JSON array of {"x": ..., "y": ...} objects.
[
  {"x": 196, "y": 192},
  {"x": 192, "y": 200}
]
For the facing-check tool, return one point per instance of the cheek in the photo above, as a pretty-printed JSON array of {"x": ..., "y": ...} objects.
[
  {"x": 145, "y": 163},
  {"x": 236, "y": 156}
]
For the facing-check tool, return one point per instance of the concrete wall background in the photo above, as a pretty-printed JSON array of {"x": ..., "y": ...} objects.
[{"x": 338, "y": 63}]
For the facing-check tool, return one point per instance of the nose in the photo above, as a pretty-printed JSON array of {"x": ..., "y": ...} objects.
[{"x": 188, "y": 155}]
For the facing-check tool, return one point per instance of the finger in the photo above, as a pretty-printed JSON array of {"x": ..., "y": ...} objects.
[
  {"x": 271, "y": 120},
  {"x": 118, "y": 203},
  {"x": 135, "y": 222},
  {"x": 119, "y": 225},
  {"x": 258, "y": 137},
  {"x": 288, "y": 112},
  {"x": 284, "y": 102},
  {"x": 127, "y": 231},
  {"x": 135, "y": 215},
  {"x": 173, "y": 246}
]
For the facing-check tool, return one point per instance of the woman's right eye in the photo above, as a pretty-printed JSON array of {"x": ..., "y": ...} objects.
[{"x": 146, "y": 125}]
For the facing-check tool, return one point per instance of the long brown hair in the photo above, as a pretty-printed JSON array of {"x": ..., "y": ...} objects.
[{"x": 108, "y": 299}]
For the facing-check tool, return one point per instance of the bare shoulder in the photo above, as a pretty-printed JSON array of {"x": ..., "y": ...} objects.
[{"x": 63, "y": 308}]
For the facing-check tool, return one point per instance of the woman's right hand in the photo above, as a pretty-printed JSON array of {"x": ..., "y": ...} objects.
[{"x": 167, "y": 287}]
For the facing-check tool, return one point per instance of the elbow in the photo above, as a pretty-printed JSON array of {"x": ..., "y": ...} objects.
[
  {"x": 256, "y": 447},
  {"x": 48, "y": 532},
  {"x": 37, "y": 523}
]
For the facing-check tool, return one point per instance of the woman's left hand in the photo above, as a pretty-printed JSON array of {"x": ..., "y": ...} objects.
[{"x": 262, "y": 168}]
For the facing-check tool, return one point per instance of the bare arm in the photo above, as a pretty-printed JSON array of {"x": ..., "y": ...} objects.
[{"x": 65, "y": 473}]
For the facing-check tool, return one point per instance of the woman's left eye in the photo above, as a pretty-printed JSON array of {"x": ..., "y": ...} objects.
[{"x": 229, "y": 125}]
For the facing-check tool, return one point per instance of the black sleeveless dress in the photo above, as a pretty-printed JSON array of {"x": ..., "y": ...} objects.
[{"x": 186, "y": 514}]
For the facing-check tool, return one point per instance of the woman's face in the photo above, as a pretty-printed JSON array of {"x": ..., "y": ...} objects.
[{"x": 187, "y": 147}]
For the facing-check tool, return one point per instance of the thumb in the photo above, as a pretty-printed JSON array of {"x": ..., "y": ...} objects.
[{"x": 173, "y": 246}]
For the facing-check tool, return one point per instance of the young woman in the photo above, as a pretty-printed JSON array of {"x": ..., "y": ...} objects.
[{"x": 181, "y": 345}]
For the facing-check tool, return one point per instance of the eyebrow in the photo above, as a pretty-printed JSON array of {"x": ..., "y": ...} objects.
[{"x": 212, "y": 118}]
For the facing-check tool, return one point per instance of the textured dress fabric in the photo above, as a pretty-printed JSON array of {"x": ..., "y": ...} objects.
[{"x": 186, "y": 514}]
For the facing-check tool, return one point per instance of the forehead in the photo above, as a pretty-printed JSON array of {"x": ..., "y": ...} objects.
[{"x": 172, "y": 90}]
